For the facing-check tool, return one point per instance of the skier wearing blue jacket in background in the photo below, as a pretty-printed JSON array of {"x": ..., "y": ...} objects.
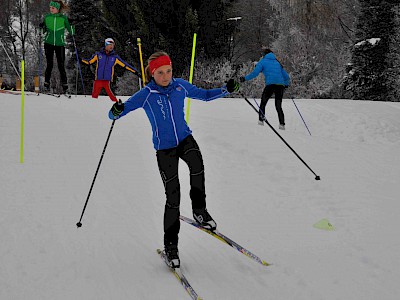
[
  {"x": 276, "y": 80},
  {"x": 163, "y": 101}
]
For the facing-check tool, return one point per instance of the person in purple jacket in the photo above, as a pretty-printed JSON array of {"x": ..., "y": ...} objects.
[
  {"x": 105, "y": 60},
  {"x": 163, "y": 101},
  {"x": 276, "y": 80}
]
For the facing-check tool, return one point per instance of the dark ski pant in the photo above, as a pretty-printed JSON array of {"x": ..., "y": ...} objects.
[
  {"x": 168, "y": 161},
  {"x": 60, "y": 55},
  {"x": 267, "y": 93}
]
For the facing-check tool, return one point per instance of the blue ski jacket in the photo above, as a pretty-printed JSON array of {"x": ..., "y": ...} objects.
[
  {"x": 273, "y": 71},
  {"x": 105, "y": 64},
  {"x": 164, "y": 108}
]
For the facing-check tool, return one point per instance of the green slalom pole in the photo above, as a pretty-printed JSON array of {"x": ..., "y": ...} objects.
[
  {"x": 191, "y": 74},
  {"x": 21, "y": 158}
]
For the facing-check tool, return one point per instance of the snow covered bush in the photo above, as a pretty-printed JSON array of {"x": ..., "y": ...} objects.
[{"x": 127, "y": 84}]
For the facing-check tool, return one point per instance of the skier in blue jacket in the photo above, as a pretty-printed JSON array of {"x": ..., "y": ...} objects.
[
  {"x": 276, "y": 80},
  {"x": 163, "y": 101}
]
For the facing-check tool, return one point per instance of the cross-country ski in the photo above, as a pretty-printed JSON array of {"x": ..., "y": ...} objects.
[
  {"x": 219, "y": 236},
  {"x": 179, "y": 275}
]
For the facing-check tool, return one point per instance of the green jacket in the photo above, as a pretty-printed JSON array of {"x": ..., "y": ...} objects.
[{"x": 54, "y": 27}]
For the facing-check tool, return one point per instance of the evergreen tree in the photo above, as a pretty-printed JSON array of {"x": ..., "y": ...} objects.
[
  {"x": 215, "y": 31},
  {"x": 86, "y": 17},
  {"x": 371, "y": 73},
  {"x": 161, "y": 25},
  {"x": 166, "y": 25},
  {"x": 122, "y": 27}
]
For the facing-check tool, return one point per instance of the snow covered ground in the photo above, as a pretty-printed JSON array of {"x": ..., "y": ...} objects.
[{"x": 258, "y": 191}]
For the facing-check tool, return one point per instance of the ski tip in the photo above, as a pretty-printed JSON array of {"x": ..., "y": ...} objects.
[{"x": 266, "y": 264}]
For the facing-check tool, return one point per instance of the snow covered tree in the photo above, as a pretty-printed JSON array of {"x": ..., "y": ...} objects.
[
  {"x": 312, "y": 44},
  {"x": 10, "y": 39},
  {"x": 257, "y": 27},
  {"x": 15, "y": 26},
  {"x": 310, "y": 38},
  {"x": 20, "y": 35},
  {"x": 371, "y": 74}
]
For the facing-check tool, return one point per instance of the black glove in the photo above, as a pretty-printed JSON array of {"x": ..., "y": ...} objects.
[
  {"x": 232, "y": 85},
  {"x": 242, "y": 79},
  {"x": 117, "y": 109}
]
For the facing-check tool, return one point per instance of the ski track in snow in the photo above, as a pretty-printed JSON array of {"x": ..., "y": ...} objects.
[{"x": 258, "y": 191}]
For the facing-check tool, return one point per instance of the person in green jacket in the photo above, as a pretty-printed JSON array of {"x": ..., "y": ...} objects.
[{"x": 54, "y": 25}]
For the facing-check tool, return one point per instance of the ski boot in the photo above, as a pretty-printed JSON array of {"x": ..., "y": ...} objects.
[
  {"x": 172, "y": 256},
  {"x": 261, "y": 119},
  {"x": 46, "y": 87},
  {"x": 202, "y": 217},
  {"x": 66, "y": 91}
]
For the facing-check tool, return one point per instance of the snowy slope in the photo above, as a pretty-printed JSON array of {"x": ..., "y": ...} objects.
[{"x": 258, "y": 191}]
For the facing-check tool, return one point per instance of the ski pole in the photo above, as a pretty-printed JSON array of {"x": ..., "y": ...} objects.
[
  {"x": 40, "y": 59},
  {"x": 76, "y": 82},
  {"x": 273, "y": 129},
  {"x": 301, "y": 116},
  {"x": 79, "y": 224},
  {"x": 139, "y": 43},
  {"x": 78, "y": 64}
]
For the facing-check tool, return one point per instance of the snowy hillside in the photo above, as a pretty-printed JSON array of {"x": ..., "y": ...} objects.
[{"x": 258, "y": 191}]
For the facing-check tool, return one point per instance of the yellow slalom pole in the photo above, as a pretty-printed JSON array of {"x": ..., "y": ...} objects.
[
  {"x": 22, "y": 110},
  {"x": 191, "y": 74},
  {"x": 141, "y": 60}
]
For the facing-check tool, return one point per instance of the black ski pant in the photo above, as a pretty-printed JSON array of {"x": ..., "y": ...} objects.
[
  {"x": 168, "y": 161},
  {"x": 267, "y": 93},
  {"x": 60, "y": 55}
]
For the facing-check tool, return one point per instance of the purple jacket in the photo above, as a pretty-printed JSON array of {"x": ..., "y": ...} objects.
[{"x": 105, "y": 64}]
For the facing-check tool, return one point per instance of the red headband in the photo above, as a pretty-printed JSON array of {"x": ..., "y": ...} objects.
[{"x": 159, "y": 62}]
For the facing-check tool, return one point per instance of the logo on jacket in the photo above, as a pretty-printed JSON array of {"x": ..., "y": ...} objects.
[
  {"x": 179, "y": 89},
  {"x": 160, "y": 102}
]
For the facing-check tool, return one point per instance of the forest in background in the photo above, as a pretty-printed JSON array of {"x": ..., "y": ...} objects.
[{"x": 331, "y": 49}]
